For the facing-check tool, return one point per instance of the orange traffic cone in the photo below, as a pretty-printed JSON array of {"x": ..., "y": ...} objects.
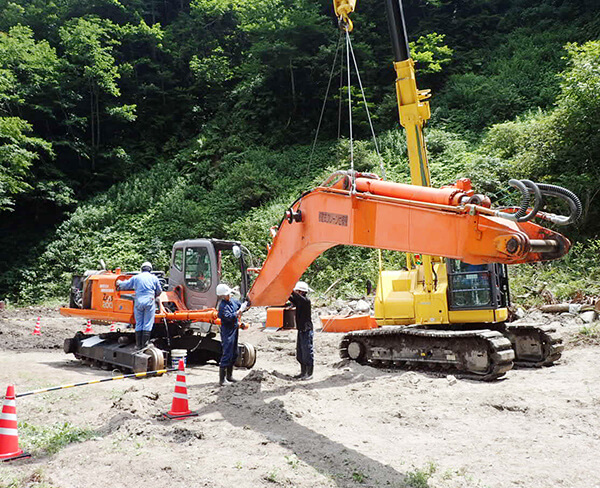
[
  {"x": 180, "y": 408},
  {"x": 9, "y": 437},
  {"x": 37, "y": 330},
  {"x": 112, "y": 327},
  {"x": 88, "y": 328}
]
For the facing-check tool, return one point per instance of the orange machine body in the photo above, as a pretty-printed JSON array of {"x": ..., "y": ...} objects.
[
  {"x": 339, "y": 323},
  {"x": 109, "y": 304},
  {"x": 449, "y": 195},
  {"x": 386, "y": 215},
  {"x": 281, "y": 318}
]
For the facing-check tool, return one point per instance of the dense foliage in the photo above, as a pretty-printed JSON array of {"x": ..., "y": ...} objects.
[{"x": 128, "y": 124}]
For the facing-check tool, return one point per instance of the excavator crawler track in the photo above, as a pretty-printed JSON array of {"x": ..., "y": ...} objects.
[
  {"x": 477, "y": 354},
  {"x": 534, "y": 345}
]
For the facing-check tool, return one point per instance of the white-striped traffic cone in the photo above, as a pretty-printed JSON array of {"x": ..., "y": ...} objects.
[
  {"x": 9, "y": 437},
  {"x": 37, "y": 330},
  {"x": 88, "y": 328},
  {"x": 179, "y": 407},
  {"x": 112, "y": 327}
]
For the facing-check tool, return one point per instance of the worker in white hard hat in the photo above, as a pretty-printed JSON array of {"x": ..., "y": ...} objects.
[
  {"x": 304, "y": 343},
  {"x": 229, "y": 311},
  {"x": 147, "y": 289}
]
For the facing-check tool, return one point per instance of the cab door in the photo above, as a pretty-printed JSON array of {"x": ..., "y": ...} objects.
[
  {"x": 200, "y": 275},
  {"x": 176, "y": 270}
]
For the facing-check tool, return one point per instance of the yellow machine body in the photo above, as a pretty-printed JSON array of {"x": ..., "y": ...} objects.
[{"x": 402, "y": 299}]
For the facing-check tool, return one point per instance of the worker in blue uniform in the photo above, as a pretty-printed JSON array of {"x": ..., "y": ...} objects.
[
  {"x": 304, "y": 343},
  {"x": 147, "y": 288},
  {"x": 230, "y": 311}
]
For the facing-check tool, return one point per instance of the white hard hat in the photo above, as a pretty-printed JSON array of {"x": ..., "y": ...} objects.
[
  {"x": 302, "y": 286},
  {"x": 223, "y": 290},
  {"x": 147, "y": 264}
]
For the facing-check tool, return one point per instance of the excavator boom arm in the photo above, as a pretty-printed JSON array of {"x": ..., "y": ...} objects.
[{"x": 394, "y": 216}]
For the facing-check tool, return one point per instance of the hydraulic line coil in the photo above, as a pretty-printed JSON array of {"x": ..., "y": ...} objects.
[{"x": 528, "y": 188}]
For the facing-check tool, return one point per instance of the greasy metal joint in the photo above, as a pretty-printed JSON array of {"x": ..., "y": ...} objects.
[
  {"x": 512, "y": 245},
  {"x": 544, "y": 245},
  {"x": 515, "y": 245}
]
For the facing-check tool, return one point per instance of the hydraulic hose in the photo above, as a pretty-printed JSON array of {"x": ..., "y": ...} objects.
[
  {"x": 566, "y": 195},
  {"x": 524, "y": 198},
  {"x": 527, "y": 187},
  {"x": 538, "y": 200}
]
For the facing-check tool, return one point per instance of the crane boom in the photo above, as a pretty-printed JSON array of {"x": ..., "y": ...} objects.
[{"x": 413, "y": 107}]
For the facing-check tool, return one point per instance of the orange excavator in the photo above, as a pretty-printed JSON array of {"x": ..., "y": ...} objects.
[
  {"x": 349, "y": 208},
  {"x": 186, "y": 316}
]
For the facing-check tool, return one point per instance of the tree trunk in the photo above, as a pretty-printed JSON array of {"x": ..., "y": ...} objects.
[
  {"x": 97, "y": 118},
  {"x": 92, "y": 128}
]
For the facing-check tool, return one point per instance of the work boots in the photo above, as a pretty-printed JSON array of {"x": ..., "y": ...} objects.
[
  {"x": 138, "y": 339},
  {"x": 230, "y": 374},
  {"x": 146, "y": 338},
  {"x": 302, "y": 372},
  {"x": 222, "y": 377},
  {"x": 142, "y": 337},
  {"x": 309, "y": 373}
]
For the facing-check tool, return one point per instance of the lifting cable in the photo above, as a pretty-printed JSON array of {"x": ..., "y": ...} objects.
[
  {"x": 362, "y": 91},
  {"x": 353, "y": 174},
  {"x": 349, "y": 52},
  {"x": 312, "y": 151},
  {"x": 381, "y": 164}
]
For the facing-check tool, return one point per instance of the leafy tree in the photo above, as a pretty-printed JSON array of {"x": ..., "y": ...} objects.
[
  {"x": 89, "y": 46},
  {"x": 430, "y": 53},
  {"x": 18, "y": 151}
]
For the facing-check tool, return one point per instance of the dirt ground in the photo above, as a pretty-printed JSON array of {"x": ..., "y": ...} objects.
[{"x": 351, "y": 426}]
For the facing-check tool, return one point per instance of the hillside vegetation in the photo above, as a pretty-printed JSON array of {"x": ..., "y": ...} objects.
[{"x": 128, "y": 124}]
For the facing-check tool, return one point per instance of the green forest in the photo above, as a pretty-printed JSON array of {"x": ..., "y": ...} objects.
[{"x": 126, "y": 125}]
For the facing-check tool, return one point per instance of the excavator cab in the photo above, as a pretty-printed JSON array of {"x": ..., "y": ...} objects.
[
  {"x": 477, "y": 286},
  {"x": 463, "y": 294},
  {"x": 199, "y": 265}
]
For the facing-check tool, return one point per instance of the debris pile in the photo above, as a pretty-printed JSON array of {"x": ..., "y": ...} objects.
[{"x": 347, "y": 308}]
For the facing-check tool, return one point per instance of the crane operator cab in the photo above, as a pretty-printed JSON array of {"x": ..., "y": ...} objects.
[{"x": 199, "y": 265}]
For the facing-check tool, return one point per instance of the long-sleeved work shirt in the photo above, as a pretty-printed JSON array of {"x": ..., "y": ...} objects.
[
  {"x": 147, "y": 288},
  {"x": 303, "y": 311},
  {"x": 227, "y": 312}
]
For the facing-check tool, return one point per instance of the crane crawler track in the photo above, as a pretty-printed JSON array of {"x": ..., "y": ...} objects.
[{"x": 478, "y": 354}]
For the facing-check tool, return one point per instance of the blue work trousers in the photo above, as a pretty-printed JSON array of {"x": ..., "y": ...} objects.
[
  {"x": 144, "y": 316},
  {"x": 304, "y": 348},
  {"x": 229, "y": 344}
]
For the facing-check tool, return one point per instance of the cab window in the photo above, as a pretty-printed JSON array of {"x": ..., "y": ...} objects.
[
  {"x": 178, "y": 259},
  {"x": 470, "y": 285},
  {"x": 198, "y": 275}
]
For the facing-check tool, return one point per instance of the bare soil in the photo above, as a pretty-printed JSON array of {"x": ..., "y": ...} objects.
[{"x": 351, "y": 426}]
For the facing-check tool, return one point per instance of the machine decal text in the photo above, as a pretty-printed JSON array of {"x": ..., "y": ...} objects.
[{"x": 332, "y": 218}]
